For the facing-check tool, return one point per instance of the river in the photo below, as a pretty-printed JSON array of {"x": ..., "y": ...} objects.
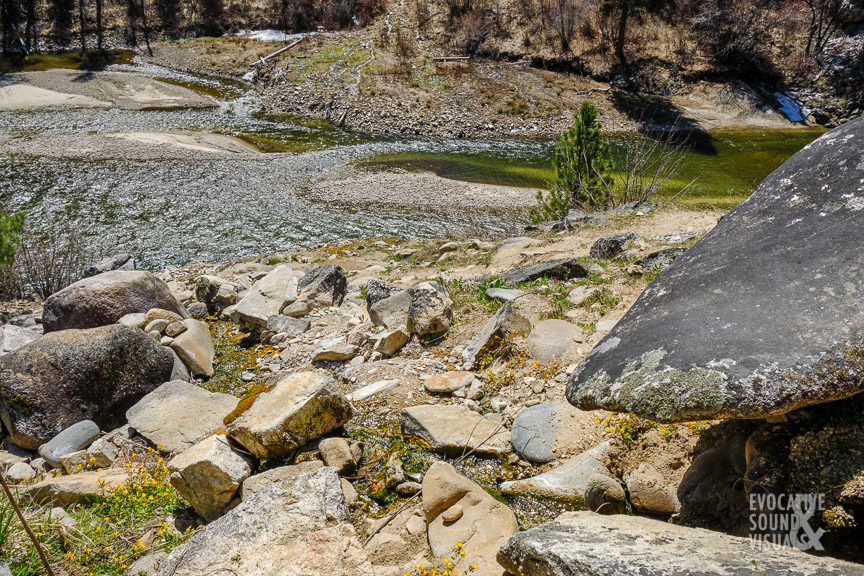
[{"x": 170, "y": 210}]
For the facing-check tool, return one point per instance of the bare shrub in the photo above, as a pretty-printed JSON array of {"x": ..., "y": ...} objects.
[
  {"x": 423, "y": 14},
  {"x": 646, "y": 164},
  {"x": 738, "y": 36},
  {"x": 470, "y": 31},
  {"x": 46, "y": 260}
]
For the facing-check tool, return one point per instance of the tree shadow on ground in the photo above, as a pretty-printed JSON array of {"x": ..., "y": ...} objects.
[{"x": 660, "y": 119}]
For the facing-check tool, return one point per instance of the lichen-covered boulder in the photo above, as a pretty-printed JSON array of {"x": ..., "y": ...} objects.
[
  {"x": 430, "y": 311},
  {"x": 295, "y": 407},
  {"x": 588, "y": 544},
  {"x": 73, "y": 375},
  {"x": 105, "y": 298},
  {"x": 762, "y": 316}
]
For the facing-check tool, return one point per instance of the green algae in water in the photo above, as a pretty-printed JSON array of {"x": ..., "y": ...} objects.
[
  {"x": 223, "y": 89},
  {"x": 291, "y": 134},
  {"x": 235, "y": 354},
  {"x": 69, "y": 60},
  {"x": 719, "y": 171}
]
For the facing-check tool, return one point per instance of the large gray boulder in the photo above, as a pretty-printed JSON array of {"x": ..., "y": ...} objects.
[
  {"x": 588, "y": 544},
  {"x": 762, "y": 316},
  {"x": 105, "y": 298},
  {"x": 73, "y": 375},
  {"x": 298, "y": 528}
]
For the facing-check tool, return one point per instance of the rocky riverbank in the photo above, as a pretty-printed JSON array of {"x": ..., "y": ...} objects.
[
  {"x": 389, "y": 406},
  {"x": 394, "y": 404},
  {"x": 357, "y": 346}
]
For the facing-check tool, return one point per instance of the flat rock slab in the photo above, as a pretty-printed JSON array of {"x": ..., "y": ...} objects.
[
  {"x": 551, "y": 339},
  {"x": 178, "y": 414},
  {"x": 67, "y": 490},
  {"x": 370, "y": 390},
  {"x": 455, "y": 429},
  {"x": 562, "y": 269},
  {"x": 762, "y": 316},
  {"x": 459, "y": 512},
  {"x": 285, "y": 475},
  {"x": 588, "y": 544},
  {"x": 505, "y": 321},
  {"x": 506, "y": 294},
  {"x": 448, "y": 382}
]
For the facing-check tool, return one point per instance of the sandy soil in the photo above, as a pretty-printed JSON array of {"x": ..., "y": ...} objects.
[
  {"x": 71, "y": 88},
  {"x": 196, "y": 141},
  {"x": 172, "y": 145},
  {"x": 26, "y": 97}
]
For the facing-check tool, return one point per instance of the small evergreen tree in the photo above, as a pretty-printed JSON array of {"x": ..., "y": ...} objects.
[{"x": 582, "y": 170}]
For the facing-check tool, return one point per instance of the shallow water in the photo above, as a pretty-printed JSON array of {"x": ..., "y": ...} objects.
[
  {"x": 723, "y": 168},
  {"x": 175, "y": 210}
]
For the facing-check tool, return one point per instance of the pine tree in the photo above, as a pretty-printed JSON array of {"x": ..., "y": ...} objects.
[{"x": 582, "y": 169}]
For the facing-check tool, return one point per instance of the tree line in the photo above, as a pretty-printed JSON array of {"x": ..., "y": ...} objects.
[
  {"x": 743, "y": 36},
  {"x": 84, "y": 24}
]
